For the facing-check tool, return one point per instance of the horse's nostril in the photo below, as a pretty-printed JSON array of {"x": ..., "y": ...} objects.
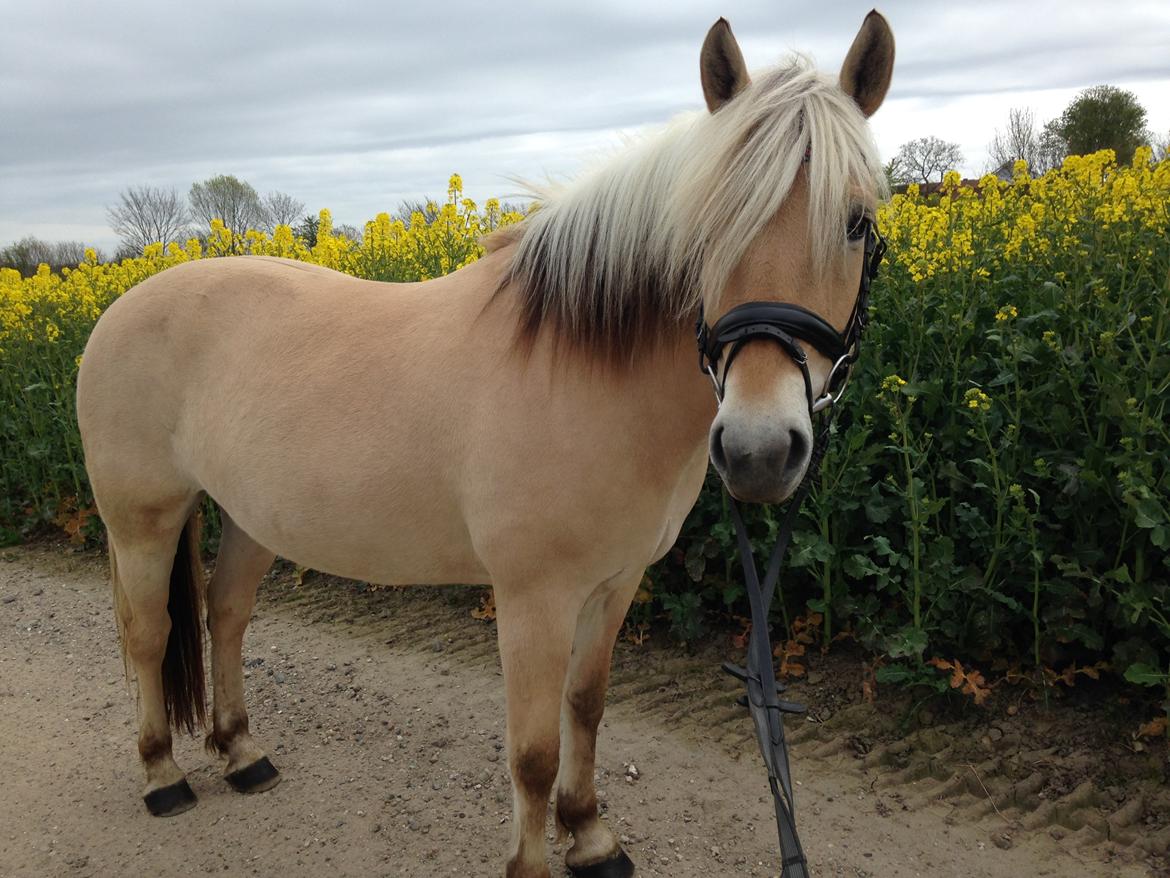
[
  {"x": 718, "y": 455},
  {"x": 797, "y": 450}
]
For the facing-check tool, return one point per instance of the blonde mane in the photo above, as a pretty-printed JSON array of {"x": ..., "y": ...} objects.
[{"x": 610, "y": 259}]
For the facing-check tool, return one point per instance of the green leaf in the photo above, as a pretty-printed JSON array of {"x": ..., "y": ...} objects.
[
  {"x": 877, "y": 507},
  {"x": 1144, "y": 675},
  {"x": 894, "y": 674},
  {"x": 907, "y": 642},
  {"x": 1147, "y": 512},
  {"x": 859, "y": 566}
]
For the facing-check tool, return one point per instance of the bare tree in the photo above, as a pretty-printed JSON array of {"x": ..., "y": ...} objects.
[
  {"x": 281, "y": 209},
  {"x": 28, "y": 253},
  {"x": 228, "y": 199},
  {"x": 146, "y": 215},
  {"x": 1019, "y": 141},
  {"x": 407, "y": 209},
  {"x": 920, "y": 160},
  {"x": 1161, "y": 147},
  {"x": 346, "y": 230}
]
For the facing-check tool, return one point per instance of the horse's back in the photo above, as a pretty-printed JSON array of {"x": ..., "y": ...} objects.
[{"x": 289, "y": 392}]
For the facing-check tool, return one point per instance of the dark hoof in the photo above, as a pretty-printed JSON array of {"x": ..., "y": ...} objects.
[
  {"x": 261, "y": 775},
  {"x": 618, "y": 866},
  {"x": 172, "y": 800}
]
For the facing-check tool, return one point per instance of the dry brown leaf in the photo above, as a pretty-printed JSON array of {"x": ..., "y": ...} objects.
[
  {"x": 1155, "y": 728},
  {"x": 486, "y": 611}
]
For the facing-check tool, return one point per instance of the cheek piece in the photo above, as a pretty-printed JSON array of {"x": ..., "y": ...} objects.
[{"x": 788, "y": 325}]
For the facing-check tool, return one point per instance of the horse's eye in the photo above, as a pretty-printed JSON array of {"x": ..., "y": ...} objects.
[{"x": 856, "y": 227}]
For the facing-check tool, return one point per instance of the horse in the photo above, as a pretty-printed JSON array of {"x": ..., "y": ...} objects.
[{"x": 534, "y": 421}]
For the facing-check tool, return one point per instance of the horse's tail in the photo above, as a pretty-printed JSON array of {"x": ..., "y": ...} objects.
[{"x": 184, "y": 687}]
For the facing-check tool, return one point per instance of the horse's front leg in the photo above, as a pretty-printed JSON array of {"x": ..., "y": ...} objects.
[
  {"x": 535, "y": 624},
  {"x": 596, "y": 852}
]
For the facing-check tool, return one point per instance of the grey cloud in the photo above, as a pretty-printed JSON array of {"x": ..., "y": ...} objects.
[{"x": 357, "y": 106}]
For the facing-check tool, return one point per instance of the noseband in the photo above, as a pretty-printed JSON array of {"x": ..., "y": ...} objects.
[{"x": 789, "y": 325}]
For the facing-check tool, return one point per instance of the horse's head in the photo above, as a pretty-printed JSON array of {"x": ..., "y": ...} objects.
[{"x": 810, "y": 250}]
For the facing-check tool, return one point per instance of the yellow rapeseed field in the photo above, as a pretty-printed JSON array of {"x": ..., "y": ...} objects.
[{"x": 1000, "y": 490}]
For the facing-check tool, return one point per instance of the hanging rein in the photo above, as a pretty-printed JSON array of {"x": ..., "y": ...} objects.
[{"x": 789, "y": 325}]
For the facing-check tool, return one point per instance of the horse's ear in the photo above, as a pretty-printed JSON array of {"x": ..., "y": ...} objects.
[
  {"x": 721, "y": 66},
  {"x": 865, "y": 75}
]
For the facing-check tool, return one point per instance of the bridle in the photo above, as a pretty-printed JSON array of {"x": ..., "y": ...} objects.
[{"x": 789, "y": 325}]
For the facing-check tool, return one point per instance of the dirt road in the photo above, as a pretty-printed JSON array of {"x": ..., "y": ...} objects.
[{"x": 383, "y": 776}]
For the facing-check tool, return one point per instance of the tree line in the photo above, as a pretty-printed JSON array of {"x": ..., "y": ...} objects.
[
  {"x": 149, "y": 215},
  {"x": 1101, "y": 117}
]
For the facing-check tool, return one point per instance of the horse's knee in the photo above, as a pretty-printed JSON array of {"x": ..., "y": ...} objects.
[
  {"x": 146, "y": 638},
  {"x": 587, "y": 704},
  {"x": 226, "y": 624},
  {"x": 534, "y": 767}
]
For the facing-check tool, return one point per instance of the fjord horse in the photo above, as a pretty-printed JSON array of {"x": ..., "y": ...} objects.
[{"x": 534, "y": 421}]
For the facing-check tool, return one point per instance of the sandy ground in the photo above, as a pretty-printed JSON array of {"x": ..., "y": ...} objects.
[{"x": 383, "y": 776}]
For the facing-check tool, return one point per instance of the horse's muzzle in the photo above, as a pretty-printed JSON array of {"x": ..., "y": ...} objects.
[{"x": 759, "y": 468}]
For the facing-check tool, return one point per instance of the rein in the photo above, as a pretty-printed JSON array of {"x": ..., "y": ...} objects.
[{"x": 788, "y": 325}]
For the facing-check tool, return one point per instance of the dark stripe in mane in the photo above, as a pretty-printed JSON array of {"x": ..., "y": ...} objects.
[{"x": 623, "y": 315}]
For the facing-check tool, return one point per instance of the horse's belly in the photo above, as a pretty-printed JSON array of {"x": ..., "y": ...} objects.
[{"x": 418, "y": 544}]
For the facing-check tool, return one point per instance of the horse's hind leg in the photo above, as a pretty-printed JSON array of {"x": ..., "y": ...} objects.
[
  {"x": 241, "y": 564},
  {"x": 595, "y": 851},
  {"x": 157, "y": 591}
]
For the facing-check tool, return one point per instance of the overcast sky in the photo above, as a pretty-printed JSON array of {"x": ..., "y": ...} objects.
[{"x": 357, "y": 106}]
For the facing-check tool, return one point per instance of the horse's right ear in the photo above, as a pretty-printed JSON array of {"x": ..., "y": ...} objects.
[
  {"x": 865, "y": 75},
  {"x": 721, "y": 66}
]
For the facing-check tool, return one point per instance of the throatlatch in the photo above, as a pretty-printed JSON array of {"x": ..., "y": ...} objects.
[{"x": 788, "y": 325}]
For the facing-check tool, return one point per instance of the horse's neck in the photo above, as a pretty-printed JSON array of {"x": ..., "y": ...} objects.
[
  {"x": 663, "y": 397},
  {"x": 682, "y": 404}
]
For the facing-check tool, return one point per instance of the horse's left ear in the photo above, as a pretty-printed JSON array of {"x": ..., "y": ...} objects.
[
  {"x": 865, "y": 75},
  {"x": 721, "y": 66}
]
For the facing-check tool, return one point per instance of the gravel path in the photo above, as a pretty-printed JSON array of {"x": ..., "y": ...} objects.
[{"x": 381, "y": 777}]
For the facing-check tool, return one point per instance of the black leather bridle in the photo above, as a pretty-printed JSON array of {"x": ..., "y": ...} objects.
[{"x": 789, "y": 325}]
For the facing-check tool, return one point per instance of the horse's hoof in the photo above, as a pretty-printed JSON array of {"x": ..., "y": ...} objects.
[
  {"x": 617, "y": 866},
  {"x": 261, "y": 775},
  {"x": 172, "y": 800}
]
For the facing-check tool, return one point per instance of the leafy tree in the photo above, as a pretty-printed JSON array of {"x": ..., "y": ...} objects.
[
  {"x": 146, "y": 215},
  {"x": 307, "y": 228},
  {"x": 925, "y": 158},
  {"x": 1103, "y": 117},
  {"x": 229, "y": 200},
  {"x": 893, "y": 172},
  {"x": 1051, "y": 148}
]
